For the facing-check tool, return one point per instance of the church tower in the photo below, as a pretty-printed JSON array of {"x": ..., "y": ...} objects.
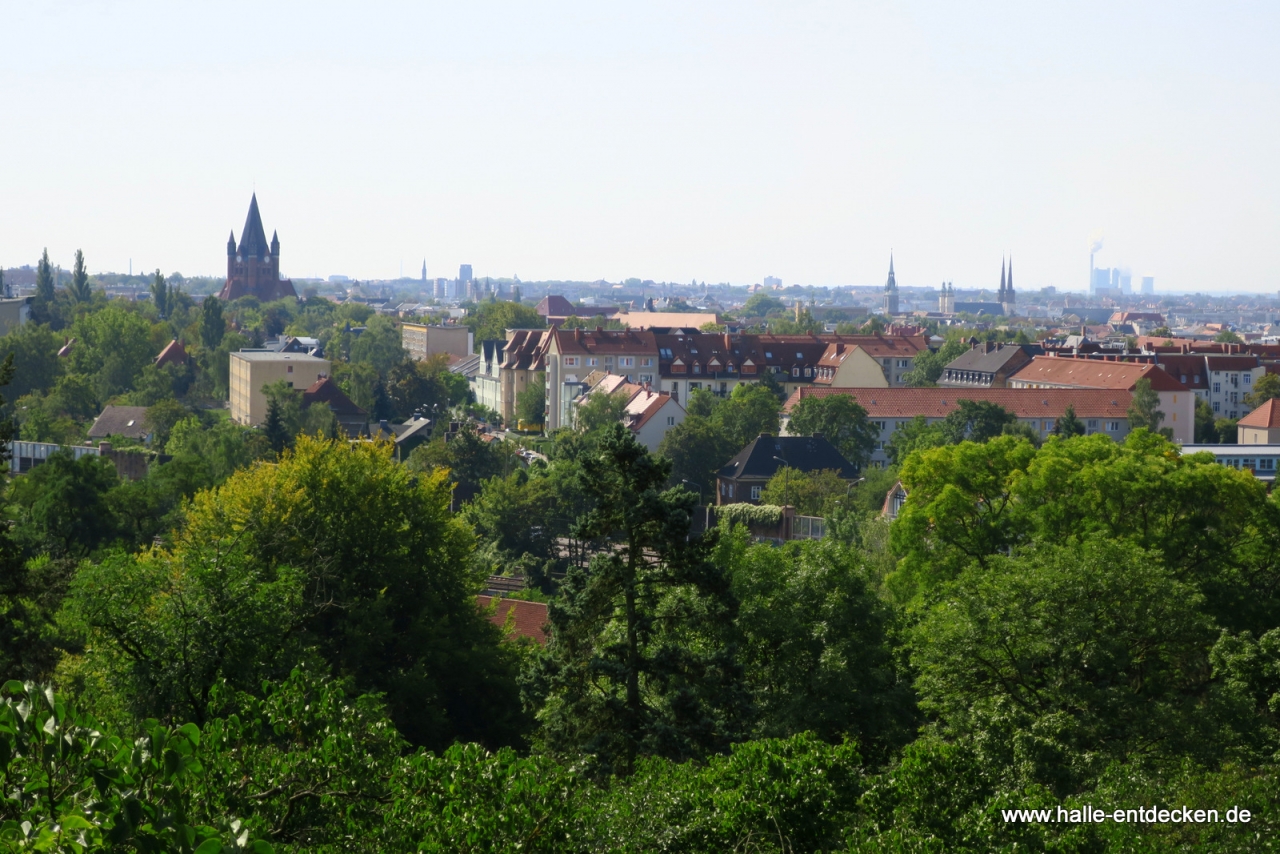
[
  {"x": 1007, "y": 298},
  {"x": 891, "y": 292},
  {"x": 253, "y": 265}
]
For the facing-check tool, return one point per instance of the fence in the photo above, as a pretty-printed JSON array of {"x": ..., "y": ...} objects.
[{"x": 24, "y": 456}]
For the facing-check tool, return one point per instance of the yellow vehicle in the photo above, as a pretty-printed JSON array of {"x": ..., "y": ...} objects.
[{"x": 523, "y": 426}]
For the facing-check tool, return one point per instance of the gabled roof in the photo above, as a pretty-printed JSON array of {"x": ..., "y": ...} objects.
[
  {"x": 125, "y": 421},
  {"x": 253, "y": 239},
  {"x": 593, "y": 341},
  {"x": 173, "y": 354},
  {"x": 1094, "y": 373},
  {"x": 554, "y": 305},
  {"x": 1231, "y": 363},
  {"x": 1048, "y": 403},
  {"x": 529, "y": 620},
  {"x": 325, "y": 390},
  {"x": 806, "y": 453},
  {"x": 991, "y": 360},
  {"x": 525, "y": 350},
  {"x": 1266, "y": 416},
  {"x": 645, "y": 404}
]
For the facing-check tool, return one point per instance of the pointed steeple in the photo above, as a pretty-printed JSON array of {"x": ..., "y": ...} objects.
[
  {"x": 275, "y": 243},
  {"x": 891, "y": 284},
  {"x": 1009, "y": 287},
  {"x": 1000, "y": 296},
  {"x": 253, "y": 240},
  {"x": 231, "y": 244}
]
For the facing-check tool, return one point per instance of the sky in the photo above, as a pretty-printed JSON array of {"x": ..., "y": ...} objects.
[{"x": 671, "y": 141}]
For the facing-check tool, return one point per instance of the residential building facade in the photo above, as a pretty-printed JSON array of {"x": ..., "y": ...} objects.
[
  {"x": 422, "y": 341},
  {"x": 251, "y": 370},
  {"x": 1261, "y": 426}
]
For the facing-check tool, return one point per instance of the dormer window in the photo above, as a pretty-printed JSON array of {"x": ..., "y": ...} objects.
[{"x": 697, "y": 369}]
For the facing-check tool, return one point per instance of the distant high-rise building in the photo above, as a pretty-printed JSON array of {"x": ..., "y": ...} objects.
[
  {"x": 441, "y": 290},
  {"x": 464, "y": 273},
  {"x": 891, "y": 291},
  {"x": 1148, "y": 284},
  {"x": 772, "y": 282},
  {"x": 947, "y": 299},
  {"x": 1126, "y": 282},
  {"x": 424, "y": 271}
]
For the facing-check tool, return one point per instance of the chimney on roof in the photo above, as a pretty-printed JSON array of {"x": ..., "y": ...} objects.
[{"x": 577, "y": 333}]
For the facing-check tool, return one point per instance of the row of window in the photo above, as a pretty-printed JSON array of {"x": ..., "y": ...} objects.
[{"x": 622, "y": 361}]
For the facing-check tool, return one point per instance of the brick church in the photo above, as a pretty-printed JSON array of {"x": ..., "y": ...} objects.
[{"x": 253, "y": 267}]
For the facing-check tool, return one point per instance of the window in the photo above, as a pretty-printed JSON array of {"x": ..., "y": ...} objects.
[
  {"x": 904, "y": 363},
  {"x": 571, "y": 361},
  {"x": 694, "y": 386},
  {"x": 799, "y": 355},
  {"x": 665, "y": 352},
  {"x": 1217, "y": 407},
  {"x": 608, "y": 360},
  {"x": 1093, "y": 424},
  {"x": 671, "y": 421},
  {"x": 697, "y": 369},
  {"x": 1248, "y": 378},
  {"x": 879, "y": 425},
  {"x": 592, "y": 361},
  {"x": 755, "y": 493},
  {"x": 768, "y": 354},
  {"x": 626, "y": 361},
  {"x": 646, "y": 362},
  {"x": 1267, "y": 464},
  {"x": 1113, "y": 426},
  {"x": 1217, "y": 387},
  {"x": 646, "y": 378},
  {"x": 289, "y": 370},
  {"x": 795, "y": 372}
]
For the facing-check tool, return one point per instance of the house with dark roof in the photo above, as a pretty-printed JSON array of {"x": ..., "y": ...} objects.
[
  {"x": 555, "y": 309},
  {"x": 987, "y": 365},
  {"x": 126, "y": 421},
  {"x": 325, "y": 392},
  {"x": 743, "y": 478}
]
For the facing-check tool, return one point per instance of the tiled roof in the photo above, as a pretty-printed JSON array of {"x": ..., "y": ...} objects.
[
  {"x": 530, "y": 620},
  {"x": 1266, "y": 416},
  {"x": 1094, "y": 373},
  {"x": 806, "y": 453},
  {"x": 984, "y": 360},
  {"x": 525, "y": 350},
  {"x": 325, "y": 390},
  {"x": 173, "y": 354},
  {"x": 590, "y": 341},
  {"x": 1231, "y": 363},
  {"x": 120, "y": 421},
  {"x": 887, "y": 403},
  {"x": 644, "y": 405},
  {"x": 555, "y": 305}
]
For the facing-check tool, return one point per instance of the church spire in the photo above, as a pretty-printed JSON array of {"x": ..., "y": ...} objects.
[{"x": 1000, "y": 295}]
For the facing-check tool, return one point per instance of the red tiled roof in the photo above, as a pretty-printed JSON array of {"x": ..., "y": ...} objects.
[
  {"x": 173, "y": 354},
  {"x": 326, "y": 390},
  {"x": 554, "y": 305},
  {"x": 1094, "y": 373},
  {"x": 1266, "y": 416},
  {"x": 1232, "y": 363},
  {"x": 590, "y": 341},
  {"x": 530, "y": 618},
  {"x": 940, "y": 402}
]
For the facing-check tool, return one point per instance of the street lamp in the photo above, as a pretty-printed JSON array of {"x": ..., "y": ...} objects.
[
  {"x": 852, "y": 485},
  {"x": 696, "y": 486},
  {"x": 706, "y": 509}
]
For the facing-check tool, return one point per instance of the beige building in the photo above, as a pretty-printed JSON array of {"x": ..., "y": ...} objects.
[
  {"x": 1261, "y": 426},
  {"x": 253, "y": 369},
  {"x": 422, "y": 341},
  {"x": 14, "y": 313}
]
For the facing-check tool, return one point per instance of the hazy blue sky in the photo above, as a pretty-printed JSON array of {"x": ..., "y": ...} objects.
[{"x": 716, "y": 141}]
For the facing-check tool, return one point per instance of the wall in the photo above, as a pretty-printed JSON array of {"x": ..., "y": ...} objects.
[
  {"x": 422, "y": 341},
  {"x": 251, "y": 371}
]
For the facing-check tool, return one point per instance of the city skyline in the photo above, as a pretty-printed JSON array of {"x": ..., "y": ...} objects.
[{"x": 665, "y": 142}]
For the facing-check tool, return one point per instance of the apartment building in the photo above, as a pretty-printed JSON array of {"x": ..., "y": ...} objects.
[
  {"x": 1177, "y": 402},
  {"x": 1102, "y": 411},
  {"x": 571, "y": 354},
  {"x": 422, "y": 341},
  {"x": 253, "y": 369}
]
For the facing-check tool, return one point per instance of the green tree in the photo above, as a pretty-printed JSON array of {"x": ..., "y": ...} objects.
[
  {"x": 600, "y": 411},
  {"x": 842, "y": 421},
  {"x": 976, "y": 421},
  {"x": 490, "y": 320},
  {"x": 1206, "y": 430},
  {"x": 1144, "y": 410},
  {"x": 811, "y": 493},
  {"x": 928, "y": 365},
  {"x": 1091, "y": 649},
  {"x": 42, "y": 305},
  {"x": 161, "y": 417},
  {"x": 212, "y": 324},
  {"x": 79, "y": 287},
  {"x": 160, "y": 291},
  {"x": 1266, "y": 388},
  {"x": 748, "y": 412},
  {"x": 61, "y": 506},
  {"x": 379, "y": 345},
  {"x": 112, "y": 346},
  {"x": 1227, "y": 336},
  {"x": 273, "y": 426},
  {"x": 641, "y": 660},
  {"x": 697, "y": 448},
  {"x": 760, "y": 304},
  {"x": 836, "y": 683},
  {"x": 1069, "y": 425},
  {"x": 531, "y": 402},
  {"x": 914, "y": 435}
]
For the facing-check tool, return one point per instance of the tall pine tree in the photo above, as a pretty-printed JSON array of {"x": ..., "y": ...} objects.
[
  {"x": 212, "y": 325},
  {"x": 160, "y": 294},
  {"x": 42, "y": 305},
  {"x": 79, "y": 289},
  {"x": 1068, "y": 425},
  {"x": 273, "y": 426},
  {"x": 642, "y": 658}
]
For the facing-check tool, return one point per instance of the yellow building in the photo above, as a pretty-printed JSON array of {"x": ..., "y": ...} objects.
[
  {"x": 253, "y": 369},
  {"x": 421, "y": 341}
]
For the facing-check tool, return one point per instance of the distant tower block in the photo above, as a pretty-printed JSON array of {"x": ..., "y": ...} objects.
[
  {"x": 1148, "y": 284},
  {"x": 891, "y": 291},
  {"x": 464, "y": 273},
  {"x": 253, "y": 265}
]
